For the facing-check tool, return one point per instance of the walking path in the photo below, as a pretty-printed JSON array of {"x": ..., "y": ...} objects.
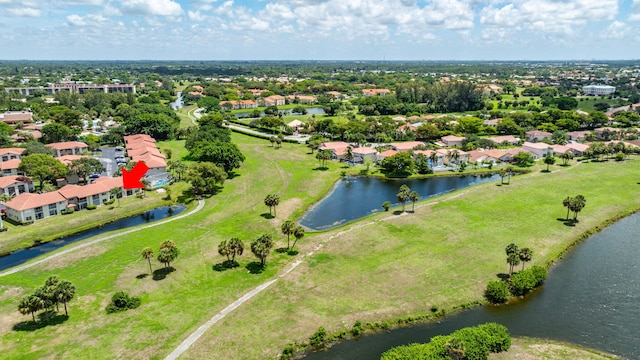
[{"x": 95, "y": 241}]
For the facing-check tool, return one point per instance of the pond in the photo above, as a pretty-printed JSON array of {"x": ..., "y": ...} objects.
[
  {"x": 355, "y": 197},
  {"x": 178, "y": 104},
  {"x": 310, "y": 111},
  {"x": 21, "y": 256},
  {"x": 591, "y": 298}
]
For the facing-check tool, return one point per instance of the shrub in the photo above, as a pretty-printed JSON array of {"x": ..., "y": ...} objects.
[
  {"x": 522, "y": 282},
  {"x": 67, "y": 211},
  {"x": 498, "y": 336},
  {"x": 319, "y": 337},
  {"x": 4, "y": 229},
  {"x": 92, "y": 207},
  {"x": 497, "y": 292},
  {"x": 121, "y": 301},
  {"x": 474, "y": 343},
  {"x": 288, "y": 352},
  {"x": 357, "y": 329},
  {"x": 539, "y": 273}
]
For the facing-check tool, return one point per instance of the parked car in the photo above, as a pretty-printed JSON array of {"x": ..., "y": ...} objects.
[
  {"x": 119, "y": 148},
  {"x": 94, "y": 176}
]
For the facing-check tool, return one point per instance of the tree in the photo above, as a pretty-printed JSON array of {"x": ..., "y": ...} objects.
[
  {"x": 272, "y": 201},
  {"x": 261, "y": 247},
  {"x": 403, "y": 195},
  {"x": 224, "y": 250},
  {"x": 65, "y": 292},
  {"x": 513, "y": 260},
  {"x": 523, "y": 159},
  {"x": 43, "y": 167},
  {"x": 84, "y": 167},
  {"x": 147, "y": 253},
  {"x": 525, "y": 255},
  {"x": 168, "y": 253},
  {"x": 50, "y": 288},
  {"x": 549, "y": 160},
  {"x": 400, "y": 164},
  {"x": 497, "y": 292},
  {"x": 567, "y": 203},
  {"x": 179, "y": 167},
  {"x": 272, "y": 140},
  {"x": 287, "y": 228},
  {"x": 54, "y": 132},
  {"x": 205, "y": 177},
  {"x": 414, "y": 196},
  {"x": 236, "y": 248},
  {"x": 224, "y": 154},
  {"x": 30, "y": 304},
  {"x": 298, "y": 233},
  {"x": 576, "y": 205},
  {"x": 117, "y": 193},
  {"x": 386, "y": 205},
  {"x": 510, "y": 172},
  {"x": 502, "y": 173},
  {"x": 348, "y": 155},
  {"x": 511, "y": 249},
  {"x": 566, "y": 157}
]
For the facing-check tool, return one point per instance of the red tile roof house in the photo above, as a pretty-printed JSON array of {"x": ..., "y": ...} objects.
[
  {"x": 510, "y": 139},
  {"x": 7, "y": 154},
  {"x": 142, "y": 147},
  {"x": 274, "y": 100},
  {"x": 28, "y": 207},
  {"x": 68, "y": 148},
  {"x": 451, "y": 140},
  {"x": 578, "y": 135},
  {"x": 14, "y": 117},
  {"x": 10, "y": 167},
  {"x": 537, "y": 135},
  {"x": 406, "y": 145},
  {"x": 538, "y": 150},
  {"x": 361, "y": 153},
  {"x": 70, "y": 178},
  {"x": 375, "y": 92},
  {"x": 428, "y": 153},
  {"x": 15, "y": 185},
  {"x": 577, "y": 148},
  {"x": 385, "y": 154},
  {"x": 92, "y": 194},
  {"x": 477, "y": 156},
  {"x": 463, "y": 156},
  {"x": 337, "y": 149}
]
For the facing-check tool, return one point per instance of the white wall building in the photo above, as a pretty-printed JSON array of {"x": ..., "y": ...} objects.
[{"x": 598, "y": 89}]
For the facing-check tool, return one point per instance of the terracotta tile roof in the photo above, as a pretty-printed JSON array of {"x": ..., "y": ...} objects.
[
  {"x": 539, "y": 133},
  {"x": 10, "y": 164},
  {"x": 501, "y": 139},
  {"x": 138, "y": 137},
  {"x": 333, "y": 145},
  {"x": 145, "y": 151},
  {"x": 27, "y": 201},
  {"x": 67, "y": 159},
  {"x": 539, "y": 146},
  {"x": 452, "y": 138},
  {"x": 109, "y": 182},
  {"x": 67, "y": 145},
  {"x": 387, "y": 153},
  {"x": 17, "y": 151},
  {"x": 10, "y": 180},
  {"x": 152, "y": 161},
  {"x": 364, "y": 150},
  {"x": 407, "y": 145}
]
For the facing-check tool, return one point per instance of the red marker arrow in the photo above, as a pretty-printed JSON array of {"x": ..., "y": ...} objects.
[{"x": 131, "y": 179}]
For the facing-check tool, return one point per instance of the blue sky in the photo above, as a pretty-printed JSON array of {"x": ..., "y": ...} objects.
[{"x": 319, "y": 29}]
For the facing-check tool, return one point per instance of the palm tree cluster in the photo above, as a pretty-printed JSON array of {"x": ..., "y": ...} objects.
[
  {"x": 575, "y": 204},
  {"x": 323, "y": 156},
  {"x": 261, "y": 247},
  {"x": 54, "y": 292},
  {"x": 506, "y": 172},
  {"x": 272, "y": 200},
  {"x": 168, "y": 253},
  {"x": 405, "y": 194},
  {"x": 289, "y": 228},
  {"x": 516, "y": 255},
  {"x": 232, "y": 248}
]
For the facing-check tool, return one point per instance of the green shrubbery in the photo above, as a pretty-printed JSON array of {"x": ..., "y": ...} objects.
[
  {"x": 497, "y": 292},
  {"x": 92, "y": 207},
  {"x": 473, "y": 343},
  {"x": 121, "y": 301},
  {"x": 519, "y": 284},
  {"x": 67, "y": 211}
]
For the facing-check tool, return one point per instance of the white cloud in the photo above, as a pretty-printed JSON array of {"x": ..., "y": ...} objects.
[
  {"x": 24, "y": 12},
  {"x": 89, "y": 19},
  {"x": 19, "y": 8},
  {"x": 151, "y": 7},
  {"x": 616, "y": 30},
  {"x": 635, "y": 11},
  {"x": 196, "y": 16}
]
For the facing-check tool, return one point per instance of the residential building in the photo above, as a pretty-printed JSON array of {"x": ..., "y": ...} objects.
[
  {"x": 95, "y": 193},
  {"x": 274, "y": 100},
  {"x": 600, "y": 90},
  {"x": 452, "y": 140},
  {"x": 453, "y": 157},
  {"x": 14, "y": 117},
  {"x": 75, "y": 88},
  {"x": 7, "y": 154},
  {"x": 239, "y": 104},
  {"x": 28, "y": 207},
  {"x": 385, "y": 154},
  {"x": 15, "y": 185},
  {"x": 439, "y": 158},
  {"x": 375, "y": 92},
  {"x": 337, "y": 148},
  {"x": 508, "y": 139},
  {"x": 406, "y": 145},
  {"x": 142, "y": 147},
  {"x": 579, "y": 136},
  {"x": 577, "y": 148},
  {"x": 538, "y": 150},
  {"x": 68, "y": 148},
  {"x": 302, "y": 99},
  {"x": 537, "y": 135},
  {"x": 361, "y": 153},
  {"x": 560, "y": 149},
  {"x": 10, "y": 167}
]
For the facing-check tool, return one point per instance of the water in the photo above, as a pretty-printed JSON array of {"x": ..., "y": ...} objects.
[
  {"x": 591, "y": 298},
  {"x": 310, "y": 111},
  {"x": 355, "y": 197},
  {"x": 178, "y": 104},
  {"x": 21, "y": 256}
]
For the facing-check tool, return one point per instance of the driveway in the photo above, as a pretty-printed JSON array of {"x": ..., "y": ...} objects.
[{"x": 108, "y": 160}]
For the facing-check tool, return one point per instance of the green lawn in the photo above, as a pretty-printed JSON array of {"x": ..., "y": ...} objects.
[
  {"x": 531, "y": 348},
  {"x": 377, "y": 269}
]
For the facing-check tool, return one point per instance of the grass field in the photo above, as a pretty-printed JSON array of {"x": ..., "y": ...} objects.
[
  {"x": 541, "y": 349},
  {"x": 380, "y": 268}
]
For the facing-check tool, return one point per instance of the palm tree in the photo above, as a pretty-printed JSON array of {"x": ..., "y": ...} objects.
[
  {"x": 261, "y": 247},
  {"x": 577, "y": 204},
  {"x": 298, "y": 233},
  {"x": 502, "y": 173},
  {"x": 525, "y": 255},
  {"x": 179, "y": 167},
  {"x": 50, "y": 286},
  {"x": 403, "y": 195},
  {"x": 513, "y": 260},
  {"x": 414, "y": 196},
  {"x": 117, "y": 192},
  {"x": 566, "y": 157},
  {"x": 236, "y": 247},
  {"x": 30, "y": 304},
  {"x": 348, "y": 155},
  {"x": 549, "y": 160},
  {"x": 65, "y": 293},
  {"x": 272, "y": 140},
  {"x": 455, "y": 156},
  {"x": 433, "y": 157},
  {"x": 287, "y": 228},
  {"x": 147, "y": 253},
  {"x": 510, "y": 172},
  {"x": 168, "y": 253},
  {"x": 272, "y": 201},
  {"x": 567, "y": 203},
  {"x": 511, "y": 249}
]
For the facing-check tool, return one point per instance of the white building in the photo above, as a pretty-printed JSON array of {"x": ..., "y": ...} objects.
[{"x": 598, "y": 89}]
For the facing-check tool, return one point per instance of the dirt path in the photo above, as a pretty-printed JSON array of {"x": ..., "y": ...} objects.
[{"x": 98, "y": 240}]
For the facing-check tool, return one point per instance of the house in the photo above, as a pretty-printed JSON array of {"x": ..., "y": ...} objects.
[
  {"x": 453, "y": 157},
  {"x": 337, "y": 148},
  {"x": 399, "y": 118},
  {"x": 601, "y": 90},
  {"x": 301, "y": 99},
  {"x": 10, "y": 167},
  {"x": 28, "y": 207},
  {"x": 537, "y": 135},
  {"x": 15, "y": 185},
  {"x": 577, "y": 148},
  {"x": 492, "y": 122},
  {"x": 7, "y": 154},
  {"x": 92, "y": 194},
  {"x": 385, "y": 154},
  {"x": 361, "y": 153},
  {"x": 70, "y": 178},
  {"x": 451, "y": 140},
  {"x": 335, "y": 95},
  {"x": 14, "y": 117},
  {"x": 239, "y": 104},
  {"x": 538, "y": 150},
  {"x": 560, "y": 149},
  {"x": 296, "y": 125},
  {"x": 607, "y": 133},
  {"x": 487, "y": 156},
  {"x": 68, "y": 148},
  {"x": 375, "y": 92},
  {"x": 142, "y": 147},
  {"x": 274, "y": 100},
  {"x": 511, "y": 153},
  {"x": 579, "y": 136},
  {"x": 406, "y": 145},
  {"x": 439, "y": 158},
  {"x": 509, "y": 139}
]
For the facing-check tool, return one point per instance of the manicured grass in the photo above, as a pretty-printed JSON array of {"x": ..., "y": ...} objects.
[
  {"x": 530, "y": 348},
  {"x": 178, "y": 152},
  {"x": 380, "y": 268},
  {"x": 388, "y": 267},
  {"x": 22, "y": 236},
  {"x": 187, "y": 297}
]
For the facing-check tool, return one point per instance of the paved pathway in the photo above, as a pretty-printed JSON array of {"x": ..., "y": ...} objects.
[{"x": 95, "y": 241}]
